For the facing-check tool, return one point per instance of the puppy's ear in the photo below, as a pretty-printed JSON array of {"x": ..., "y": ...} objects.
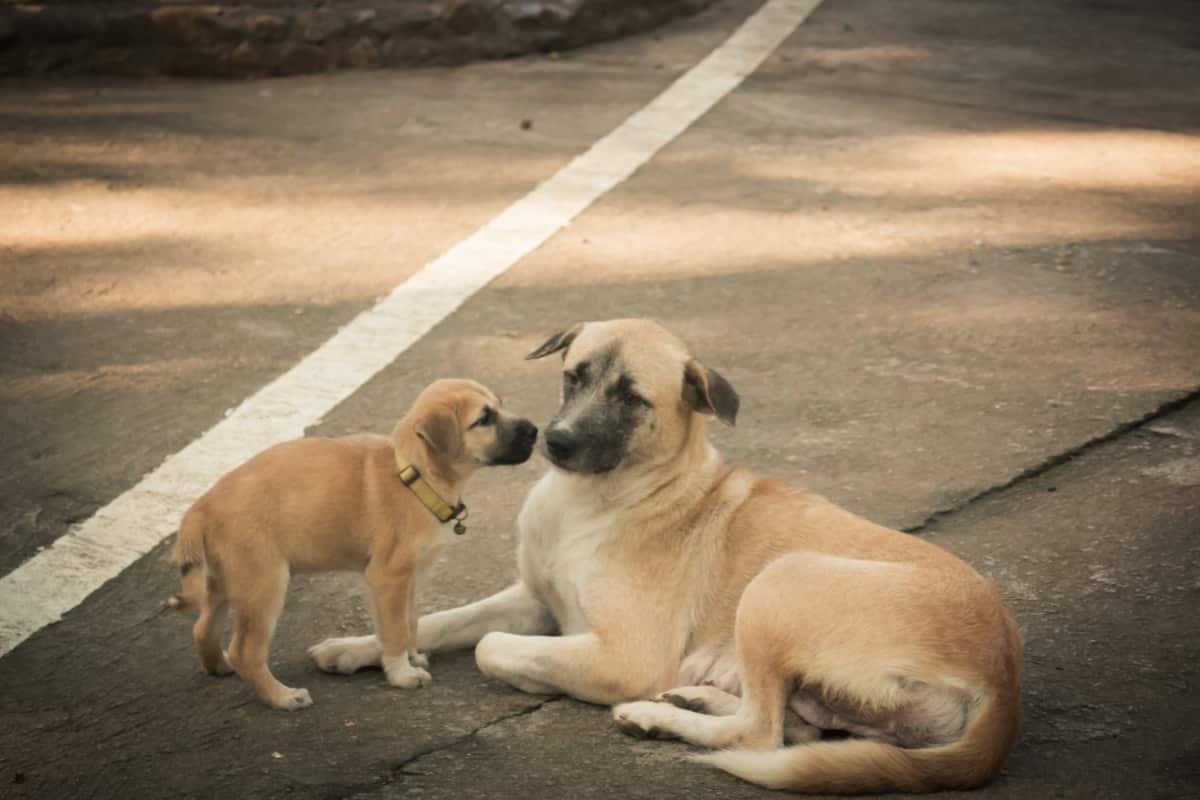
[
  {"x": 439, "y": 430},
  {"x": 709, "y": 393},
  {"x": 559, "y": 341}
]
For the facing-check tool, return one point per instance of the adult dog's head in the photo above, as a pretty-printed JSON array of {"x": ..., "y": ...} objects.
[{"x": 629, "y": 393}]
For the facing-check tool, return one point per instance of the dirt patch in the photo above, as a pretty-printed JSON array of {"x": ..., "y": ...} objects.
[{"x": 169, "y": 37}]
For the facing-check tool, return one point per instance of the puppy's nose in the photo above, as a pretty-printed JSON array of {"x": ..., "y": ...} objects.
[
  {"x": 526, "y": 431},
  {"x": 560, "y": 443}
]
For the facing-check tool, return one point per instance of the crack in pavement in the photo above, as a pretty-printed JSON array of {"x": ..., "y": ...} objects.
[
  {"x": 403, "y": 767},
  {"x": 1057, "y": 460}
]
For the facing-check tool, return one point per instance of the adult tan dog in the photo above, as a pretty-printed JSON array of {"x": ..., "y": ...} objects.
[
  {"x": 662, "y": 567},
  {"x": 364, "y": 503}
]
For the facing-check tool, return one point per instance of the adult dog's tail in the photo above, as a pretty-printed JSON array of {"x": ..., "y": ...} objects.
[
  {"x": 193, "y": 566},
  {"x": 862, "y": 766}
]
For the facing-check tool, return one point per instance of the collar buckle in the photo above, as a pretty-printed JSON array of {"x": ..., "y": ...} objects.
[{"x": 410, "y": 476}]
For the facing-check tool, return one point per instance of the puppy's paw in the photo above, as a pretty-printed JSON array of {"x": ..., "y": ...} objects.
[
  {"x": 221, "y": 667},
  {"x": 641, "y": 720},
  {"x": 293, "y": 700},
  {"x": 346, "y": 655},
  {"x": 408, "y": 677},
  {"x": 418, "y": 659}
]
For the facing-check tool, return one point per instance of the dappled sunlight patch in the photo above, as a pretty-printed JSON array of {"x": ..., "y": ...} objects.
[
  {"x": 880, "y": 55},
  {"x": 703, "y": 240},
  {"x": 1124, "y": 159},
  {"x": 981, "y": 164},
  {"x": 905, "y": 196},
  {"x": 297, "y": 240}
]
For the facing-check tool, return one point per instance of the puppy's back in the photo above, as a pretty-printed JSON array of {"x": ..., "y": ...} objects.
[{"x": 293, "y": 490}]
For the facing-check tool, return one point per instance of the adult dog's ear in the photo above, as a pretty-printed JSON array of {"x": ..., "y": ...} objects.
[
  {"x": 709, "y": 393},
  {"x": 559, "y": 341},
  {"x": 439, "y": 430}
]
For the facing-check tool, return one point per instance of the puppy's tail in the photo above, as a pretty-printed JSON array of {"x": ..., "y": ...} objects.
[
  {"x": 862, "y": 766},
  {"x": 193, "y": 566}
]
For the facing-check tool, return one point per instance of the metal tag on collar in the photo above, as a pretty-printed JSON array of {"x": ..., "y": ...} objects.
[{"x": 460, "y": 516}]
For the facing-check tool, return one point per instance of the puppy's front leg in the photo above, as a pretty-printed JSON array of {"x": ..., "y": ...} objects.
[
  {"x": 415, "y": 656},
  {"x": 393, "y": 593},
  {"x": 513, "y": 610},
  {"x": 583, "y": 666}
]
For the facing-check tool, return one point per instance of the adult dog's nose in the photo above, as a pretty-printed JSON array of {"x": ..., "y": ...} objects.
[{"x": 560, "y": 444}]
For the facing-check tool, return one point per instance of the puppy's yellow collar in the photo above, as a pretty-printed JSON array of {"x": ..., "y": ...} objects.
[{"x": 410, "y": 476}]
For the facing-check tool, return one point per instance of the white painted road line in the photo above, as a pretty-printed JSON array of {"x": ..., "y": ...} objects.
[{"x": 41, "y": 590}]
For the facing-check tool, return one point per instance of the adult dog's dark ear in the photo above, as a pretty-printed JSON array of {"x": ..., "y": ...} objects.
[
  {"x": 439, "y": 430},
  {"x": 559, "y": 341},
  {"x": 709, "y": 393}
]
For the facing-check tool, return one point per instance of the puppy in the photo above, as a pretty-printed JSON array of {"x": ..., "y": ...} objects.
[{"x": 365, "y": 503}]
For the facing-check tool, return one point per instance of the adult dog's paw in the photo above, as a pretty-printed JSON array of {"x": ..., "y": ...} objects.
[
  {"x": 641, "y": 720},
  {"x": 346, "y": 655},
  {"x": 701, "y": 699}
]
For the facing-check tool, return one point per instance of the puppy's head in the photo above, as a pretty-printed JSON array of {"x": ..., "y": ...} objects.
[
  {"x": 465, "y": 426},
  {"x": 630, "y": 394}
]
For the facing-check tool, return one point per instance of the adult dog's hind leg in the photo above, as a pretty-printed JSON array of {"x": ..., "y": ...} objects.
[{"x": 759, "y": 720}]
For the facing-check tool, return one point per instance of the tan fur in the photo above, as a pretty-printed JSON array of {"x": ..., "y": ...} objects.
[
  {"x": 321, "y": 504},
  {"x": 674, "y": 570}
]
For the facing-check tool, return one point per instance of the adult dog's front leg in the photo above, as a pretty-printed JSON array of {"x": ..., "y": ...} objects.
[
  {"x": 582, "y": 666},
  {"x": 513, "y": 610}
]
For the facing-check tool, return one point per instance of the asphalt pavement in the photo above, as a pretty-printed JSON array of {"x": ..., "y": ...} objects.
[{"x": 946, "y": 252}]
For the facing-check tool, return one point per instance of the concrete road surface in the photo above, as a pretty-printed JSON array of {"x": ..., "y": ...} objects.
[{"x": 947, "y": 252}]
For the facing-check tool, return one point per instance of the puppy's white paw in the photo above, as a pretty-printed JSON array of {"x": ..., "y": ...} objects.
[
  {"x": 642, "y": 720},
  {"x": 408, "y": 677},
  {"x": 346, "y": 655},
  {"x": 418, "y": 659},
  {"x": 294, "y": 700}
]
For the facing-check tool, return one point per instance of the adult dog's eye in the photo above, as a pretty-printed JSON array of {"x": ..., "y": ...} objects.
[
  {"x": 635, "y": 399},
  {"x": 623, "y": 392},
  {"x": 488, "y": 417}
]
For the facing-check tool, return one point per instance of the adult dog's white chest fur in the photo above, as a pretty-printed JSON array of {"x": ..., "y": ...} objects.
[{"x": 561, "y": 526}]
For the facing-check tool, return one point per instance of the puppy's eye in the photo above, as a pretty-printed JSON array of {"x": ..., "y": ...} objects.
[
  {"x": 488, "y": 417},
  {"x": 570, "y": 380}
]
